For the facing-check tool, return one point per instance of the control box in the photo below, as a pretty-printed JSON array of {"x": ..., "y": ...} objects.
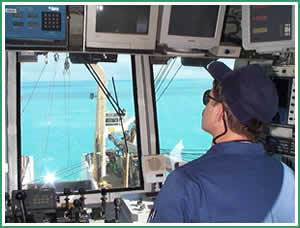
[
  {"x": 35, "y": 26},
  {"x": 37, "y": 199},
  {"x": 135, "y": 208}
]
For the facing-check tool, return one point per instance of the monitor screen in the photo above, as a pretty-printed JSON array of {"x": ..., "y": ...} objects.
[
  {"x": 111, "y": 19},
  {"x": 190, "y": 27},
  {"x": 121, "y": 26},
  {"x": 194, "y": 24},
  {"x": 268, "y": 28},
  {"x": 267, "y": 25}
]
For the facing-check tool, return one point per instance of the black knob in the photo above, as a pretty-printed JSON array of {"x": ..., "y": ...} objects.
[
  {"x": 21, "y": 195},
  {"x": 7, "y": 199},
  {"x": 139, "y": 202},
  {"x": 81, "y": 191},
  {"x": 67, "y": 191},
  {"x": 117, "y": 202},
  {"x": 227, "y": 51},
  {"x": 6, "y": 196},
  {"x": 77, "y": 203}
]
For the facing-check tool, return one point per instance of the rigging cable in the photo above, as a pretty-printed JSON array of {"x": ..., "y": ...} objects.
[
  {"x": 64, "y": 171},
  {"x": 47, "y": 115},
  {"x": 36, "y": 84},
  {"x": 114, "y": 102},
  {"x": 120, "y": 111},
  {"x": 120, "y": 117},
  {"x": 162, "y": 93},
  {"x": 160, "y": 74},
  {"x": 67, "y": 72},
  {"x": 164, "y": 77},
  {"x": 74, "y": 173},
  {"x": 101, "y": 85}
]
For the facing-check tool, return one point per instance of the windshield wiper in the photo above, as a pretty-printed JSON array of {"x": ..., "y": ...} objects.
[{"x": 113, "y": 101}]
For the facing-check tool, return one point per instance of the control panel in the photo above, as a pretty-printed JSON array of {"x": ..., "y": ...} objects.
[
  {"x": 35, "y": 25},
  {"x": 35, "y": 199},
  {"x": 44, "y": 205}
]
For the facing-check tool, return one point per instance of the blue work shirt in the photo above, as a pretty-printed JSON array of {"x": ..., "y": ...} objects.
[{"x": 233, "y": 182}]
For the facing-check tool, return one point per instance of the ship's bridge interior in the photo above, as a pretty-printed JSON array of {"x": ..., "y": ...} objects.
[{"x": 101, "y": 102}]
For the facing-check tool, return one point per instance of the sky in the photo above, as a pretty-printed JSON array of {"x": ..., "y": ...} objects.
[{"x": 120, "y": 70}]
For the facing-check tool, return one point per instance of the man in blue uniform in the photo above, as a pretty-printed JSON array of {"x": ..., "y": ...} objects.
[{"x": 235, "y": 181}]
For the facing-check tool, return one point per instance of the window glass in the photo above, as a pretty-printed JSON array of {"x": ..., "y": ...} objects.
[
  {"x": 179, "y": 90},
  {"x": 71, "y": 136}
]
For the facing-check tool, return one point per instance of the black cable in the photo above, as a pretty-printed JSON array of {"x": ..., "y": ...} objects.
[
  {"x": 102, "y": 87},
  {"x": 102, "y": 84},
  {"x": 113, "y": 102},
  {"x": 99, "y": 82},
  {"x": 107, "y": 93},
  {"x": 225, "y": 131},
  {"x": 124, "y": 135}
]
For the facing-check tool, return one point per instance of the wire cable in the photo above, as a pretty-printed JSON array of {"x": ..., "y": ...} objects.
[
  {"x": 162, "y": 93},
  {"x": 35, "y": 86},
  {"x": 161, "y": 82},
  {"x": 160, "y": 74},
  {"x": 104, "y": 90},
  {"x": 43, "y": 149}
]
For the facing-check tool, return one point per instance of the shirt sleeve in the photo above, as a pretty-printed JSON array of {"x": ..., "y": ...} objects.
[
  {"x": 283, "y": 209},
  {"x": 169, "y": 206}
]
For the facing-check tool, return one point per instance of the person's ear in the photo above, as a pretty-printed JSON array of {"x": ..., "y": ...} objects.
[{"x": 219, "y": 112}]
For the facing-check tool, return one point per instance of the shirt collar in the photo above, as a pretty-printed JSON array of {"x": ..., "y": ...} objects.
[{"x": 237, "y": 147}]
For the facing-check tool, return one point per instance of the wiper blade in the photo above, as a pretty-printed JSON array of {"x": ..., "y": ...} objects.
[{"x": 101, "y": 85}]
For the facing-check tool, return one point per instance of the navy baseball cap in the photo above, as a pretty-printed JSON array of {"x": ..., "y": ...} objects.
[{"x": 249, "y": 93}]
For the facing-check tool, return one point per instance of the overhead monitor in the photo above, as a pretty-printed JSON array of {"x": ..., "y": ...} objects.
[
  {"x": 188, "y": 27},
  {"x": 121, "y": 26},
  {"x": 268, "y": 28}
]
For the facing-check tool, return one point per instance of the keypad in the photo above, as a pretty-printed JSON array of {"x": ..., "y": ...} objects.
[{"x": 51, "y": 21}]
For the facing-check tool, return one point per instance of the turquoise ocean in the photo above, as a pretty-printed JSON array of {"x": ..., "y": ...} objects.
[{"x": 58, "y": 121}]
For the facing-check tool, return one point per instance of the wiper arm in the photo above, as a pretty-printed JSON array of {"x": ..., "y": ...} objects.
[
  {"x": 121, "y": 120},
  {"x": 120, "y": 112},
  {"x": 101, "y": 85},
  {"x": 125, "y": 140}
]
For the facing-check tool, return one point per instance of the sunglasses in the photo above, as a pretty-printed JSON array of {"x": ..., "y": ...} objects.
[{"x": 207, "y": 97}]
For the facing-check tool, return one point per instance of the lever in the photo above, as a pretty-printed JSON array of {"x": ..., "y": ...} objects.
[
  {"x": 21, "y": 196},
  {"x": 117, "y": 203}
]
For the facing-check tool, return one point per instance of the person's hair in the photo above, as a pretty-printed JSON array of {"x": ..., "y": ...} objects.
[{"x": 254, "y": 127}]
